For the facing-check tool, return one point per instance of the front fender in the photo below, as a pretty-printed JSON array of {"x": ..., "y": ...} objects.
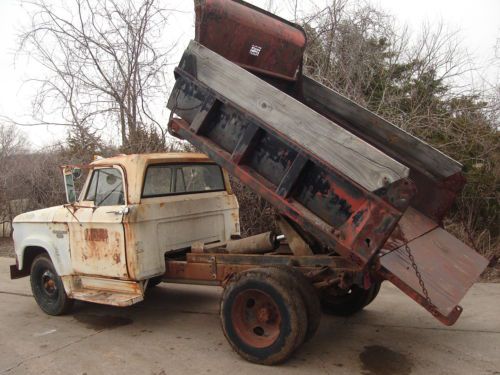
[{"x": 53, "y": 237}]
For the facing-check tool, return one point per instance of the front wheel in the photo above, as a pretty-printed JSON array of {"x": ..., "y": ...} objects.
[
  {"x": 154, "y": 282},
  {"x": 48, "y": 288}
]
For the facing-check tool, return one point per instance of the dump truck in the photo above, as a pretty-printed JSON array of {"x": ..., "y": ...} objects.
[{"x": 359, "y": 201}]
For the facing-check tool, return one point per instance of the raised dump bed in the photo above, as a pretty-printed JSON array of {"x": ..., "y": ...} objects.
[
  {"x": 348, "y": 181},
  {"x": 346, "y": 193}
]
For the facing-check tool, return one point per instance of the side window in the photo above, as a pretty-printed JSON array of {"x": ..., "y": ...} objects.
[
  {"x": 158, "y": 181},
  {"x": 200, "y": 178},
  {"x": 106, "y": 188},
  {"x": 180, "y": 181}
]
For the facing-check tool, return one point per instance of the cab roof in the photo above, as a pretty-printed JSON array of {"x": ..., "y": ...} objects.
[{"x": 155, "y": 158}]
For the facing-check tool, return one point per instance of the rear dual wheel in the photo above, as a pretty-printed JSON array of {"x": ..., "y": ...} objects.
[
  {"x": 265, "y": 316},
  {"x": 350, "y": 301},
  {"x": 310, "y": 297}
]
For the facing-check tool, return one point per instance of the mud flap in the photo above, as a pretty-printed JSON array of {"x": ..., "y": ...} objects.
[
  {"x": 16, "y": 273},
  {"x": 447, "y": 267}
]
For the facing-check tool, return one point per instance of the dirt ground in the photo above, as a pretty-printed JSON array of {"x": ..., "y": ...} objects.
[{"x": 491, "y": 275}]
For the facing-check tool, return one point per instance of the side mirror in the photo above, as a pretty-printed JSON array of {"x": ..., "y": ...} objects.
[
  {"x": 69, "y": 183},
  {"x": 77, "y": 173}
]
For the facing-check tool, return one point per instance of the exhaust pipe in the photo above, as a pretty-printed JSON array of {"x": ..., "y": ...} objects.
[{"x": 259, "y": 244}]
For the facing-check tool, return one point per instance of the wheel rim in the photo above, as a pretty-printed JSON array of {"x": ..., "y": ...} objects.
[
  {"x": 256, "y": 318},
  {"x": 49, "y": 284}
]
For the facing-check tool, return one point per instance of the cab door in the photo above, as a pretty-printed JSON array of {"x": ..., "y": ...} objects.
[{"x": 97, "y": 239}]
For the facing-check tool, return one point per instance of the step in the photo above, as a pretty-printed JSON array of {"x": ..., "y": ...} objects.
[
  {"x": 106, "y": 298},
  {"x": 103, "y": 290}
]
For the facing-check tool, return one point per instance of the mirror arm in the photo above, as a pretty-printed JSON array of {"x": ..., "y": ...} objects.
[{"x": 67, "y": 206}]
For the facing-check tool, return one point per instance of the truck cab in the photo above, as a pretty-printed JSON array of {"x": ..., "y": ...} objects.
[{"x": 133, "y": 210}]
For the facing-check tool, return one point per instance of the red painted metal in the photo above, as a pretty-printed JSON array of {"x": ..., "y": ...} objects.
[
  {"x": 250, "y": 37},
  {"x": 444, "y": 193}
]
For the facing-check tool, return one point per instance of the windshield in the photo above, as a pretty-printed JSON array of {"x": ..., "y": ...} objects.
[{"x": 168, "y": 179}]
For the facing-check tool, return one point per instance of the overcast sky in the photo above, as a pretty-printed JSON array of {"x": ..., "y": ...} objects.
[{"x": 478, "y": 22}]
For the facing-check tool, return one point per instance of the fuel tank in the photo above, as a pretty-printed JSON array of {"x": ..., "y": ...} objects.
[{"x": 251, "y": 37}]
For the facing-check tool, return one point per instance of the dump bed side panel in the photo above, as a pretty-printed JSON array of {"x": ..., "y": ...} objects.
[
  {"x": 435, "y": 174},
  {"x": 386, "y": 136}
]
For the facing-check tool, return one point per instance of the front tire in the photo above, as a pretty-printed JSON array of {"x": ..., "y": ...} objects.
[
  {"x": 154, "y": 282},
  {"x": 48, "y": 288},
  {"x": 262, "y": 317}
]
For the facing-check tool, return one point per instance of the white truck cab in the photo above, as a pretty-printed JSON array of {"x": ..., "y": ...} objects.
[{"x": 106, "y": 245}]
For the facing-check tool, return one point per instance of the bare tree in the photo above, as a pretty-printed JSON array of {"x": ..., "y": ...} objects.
[
  {"x": 12, "y": 141},
  {"x": 12, "y": 144},
  {"x": 103, "y": 63},
  {"x": 271, "y": 6}
]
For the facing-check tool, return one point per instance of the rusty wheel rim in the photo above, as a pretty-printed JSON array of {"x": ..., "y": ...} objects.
[
  {"x": 49, "y": 285},
  {"x": 256, "y": 318}
]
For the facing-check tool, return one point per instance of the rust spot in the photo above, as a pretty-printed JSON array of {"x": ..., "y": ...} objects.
[{"x": 96, "y": 235}]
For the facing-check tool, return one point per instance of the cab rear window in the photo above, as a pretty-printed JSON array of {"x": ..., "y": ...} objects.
[{"x": 167, "y": 179}]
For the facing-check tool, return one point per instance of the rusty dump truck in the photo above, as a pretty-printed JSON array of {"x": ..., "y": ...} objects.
[{"x": 359, "y": 200}]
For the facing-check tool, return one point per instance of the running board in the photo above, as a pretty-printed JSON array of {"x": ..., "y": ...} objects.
[
  {"x": 430, "y": 265},
  {"x": 104, "y": 291},
  {"x": 106, "y": 298}
]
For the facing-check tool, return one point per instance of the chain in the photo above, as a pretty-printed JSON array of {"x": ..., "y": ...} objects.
[{"x": 421, "y": 281}]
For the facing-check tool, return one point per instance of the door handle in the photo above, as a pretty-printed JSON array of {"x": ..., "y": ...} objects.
[{"x": 123, "y": 211}]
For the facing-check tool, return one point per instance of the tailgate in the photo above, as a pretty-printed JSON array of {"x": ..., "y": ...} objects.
[{"x": 430, "y": 265}]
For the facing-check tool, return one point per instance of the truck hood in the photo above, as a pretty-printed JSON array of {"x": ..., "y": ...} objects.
[{"x": 45, "y": 215}]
